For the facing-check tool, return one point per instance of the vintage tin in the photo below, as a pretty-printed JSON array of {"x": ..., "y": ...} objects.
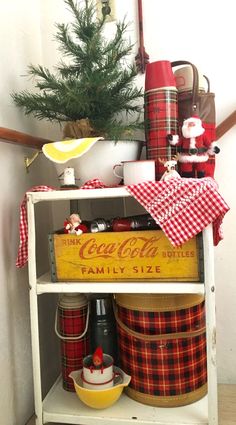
[
  {"x": 136, "y": 255},
  {"x": 162, "y": 345}
]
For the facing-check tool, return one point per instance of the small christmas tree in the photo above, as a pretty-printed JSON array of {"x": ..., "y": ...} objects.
[{"x": 95, "y": 90}]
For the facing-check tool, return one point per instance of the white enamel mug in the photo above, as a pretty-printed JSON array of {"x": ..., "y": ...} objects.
[
  {"x": 134, "y": 172},
  {"x": 95, "y": 379}
]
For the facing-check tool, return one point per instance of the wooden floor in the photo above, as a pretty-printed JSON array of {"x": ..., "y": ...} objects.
[{"x": 227, "y": 406}]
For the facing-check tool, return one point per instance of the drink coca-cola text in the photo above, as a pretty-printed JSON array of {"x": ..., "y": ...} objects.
[{"x": 129, "y": 248}]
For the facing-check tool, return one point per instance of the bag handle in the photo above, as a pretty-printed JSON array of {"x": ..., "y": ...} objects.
[
  {"x": 148, "y": 338},
  {"x": 195, "y": 80},
  {"x": 67, "y": 338}
]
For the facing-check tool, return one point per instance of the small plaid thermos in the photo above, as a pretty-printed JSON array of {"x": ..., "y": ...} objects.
[{"x": 71, "y": 326}]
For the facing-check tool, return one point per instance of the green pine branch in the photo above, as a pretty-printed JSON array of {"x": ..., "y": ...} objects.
[{"x": 93, "y": 82}]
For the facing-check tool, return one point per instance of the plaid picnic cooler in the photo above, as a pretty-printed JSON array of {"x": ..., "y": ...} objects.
[{"x": 162, "y": 345}]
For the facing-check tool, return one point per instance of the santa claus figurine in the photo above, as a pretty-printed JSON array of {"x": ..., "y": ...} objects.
[
  {"x": 74, "y": 225},
  {"x": 193, "y": 148}
]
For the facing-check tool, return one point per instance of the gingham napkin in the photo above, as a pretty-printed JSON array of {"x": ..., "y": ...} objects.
[
  {"x": 94, "y": 184},
  {"x": 183, "y": 207},
  {"x": 22, "y": 256}
]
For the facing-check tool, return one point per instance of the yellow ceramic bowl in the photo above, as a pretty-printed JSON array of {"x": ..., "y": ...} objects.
[{"x": 100, "y": 399}]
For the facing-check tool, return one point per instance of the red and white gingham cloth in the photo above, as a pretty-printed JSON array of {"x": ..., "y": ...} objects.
[
  {"x": 183, "y": 207},
  {"x": 22, "y": 256},
  {"x": 94, "y": 184}
]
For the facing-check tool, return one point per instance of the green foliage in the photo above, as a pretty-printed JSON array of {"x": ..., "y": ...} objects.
[{"x": 94, "y": 82}]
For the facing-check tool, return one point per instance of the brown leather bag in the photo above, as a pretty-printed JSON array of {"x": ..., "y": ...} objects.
[
  {"x": 197, "y": 102},
  {"x": 201, "y": 103}
]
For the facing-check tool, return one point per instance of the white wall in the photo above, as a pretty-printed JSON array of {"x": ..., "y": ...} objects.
[
  {"x": 202, "y": 33},
  {"x": 20, "y": 44}
]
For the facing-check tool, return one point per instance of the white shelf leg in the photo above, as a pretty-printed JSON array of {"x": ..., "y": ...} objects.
[
  {"x": 210, "y": 325},
  {"x": 34, "y": 314}
]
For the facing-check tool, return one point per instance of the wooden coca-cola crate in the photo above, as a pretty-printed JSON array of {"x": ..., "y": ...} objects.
[{"x": 135, "y": 255}]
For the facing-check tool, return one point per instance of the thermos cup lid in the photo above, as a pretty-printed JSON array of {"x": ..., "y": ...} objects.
[
  {"x": 159, "y": 74},
  {"x": 101, "y": 306},
  {"x": 72, "y": 301}
]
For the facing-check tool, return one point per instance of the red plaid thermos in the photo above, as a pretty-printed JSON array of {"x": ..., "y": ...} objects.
[
  {"x": 71, "y": 325},
  {"x": 161, "y": 111}
]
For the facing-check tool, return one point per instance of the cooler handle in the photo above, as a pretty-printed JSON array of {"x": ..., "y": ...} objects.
[{"x": 66, "y": 338}]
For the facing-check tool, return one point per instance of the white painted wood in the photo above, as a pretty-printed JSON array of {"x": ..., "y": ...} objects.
[
  {"x": 60, "y": 405},
  {"x": 118, "y": 192},
  {"x": 34, "y": 311},
  {"x": 63, "y": 407},
  {"x": 210, "y": 325},
  {"x": 227, "y": 406},
  {"x": 44, "y": 285}
]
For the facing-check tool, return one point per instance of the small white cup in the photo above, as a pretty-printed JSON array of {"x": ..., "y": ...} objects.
[
  {"x": 134, "y": 172},
  {"x": 95, "y": 379}
]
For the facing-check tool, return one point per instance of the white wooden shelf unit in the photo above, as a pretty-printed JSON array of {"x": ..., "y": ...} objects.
[{"x": 60, "y": 406}]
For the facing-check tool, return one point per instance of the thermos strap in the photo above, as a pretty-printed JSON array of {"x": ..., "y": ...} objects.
[{"x": 66, "y": 338}]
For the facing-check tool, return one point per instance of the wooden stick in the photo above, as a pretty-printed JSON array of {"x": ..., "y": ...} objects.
[
  {"x": 142, "y": 58},
  {"x": 12, "y": 136},
  {"x": 226, "y": 125}
]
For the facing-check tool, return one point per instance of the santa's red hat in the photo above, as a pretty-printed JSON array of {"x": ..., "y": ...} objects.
[{"x": 193, "y": 119}]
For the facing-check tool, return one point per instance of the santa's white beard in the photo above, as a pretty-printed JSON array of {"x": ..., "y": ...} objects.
[{"x": 189, "y": 132}]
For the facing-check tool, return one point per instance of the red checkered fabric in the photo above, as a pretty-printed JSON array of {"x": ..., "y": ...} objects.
[
  {"x": 22, "y": 256},
  {"x": 93, "y": 184},
  {"x": 164, "y": 322},
  {"x": 165, "y": 367},
  {"x": 183, "y": 207},
  {"x": 72, "y": 323}
]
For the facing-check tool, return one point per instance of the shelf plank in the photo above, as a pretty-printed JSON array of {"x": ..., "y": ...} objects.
[
  {"x": 23, "y": 139},
  {"x": 44, "y": 285},
  {"x": 63, "y": 406},
  {"x": 59, "y": 195}
]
